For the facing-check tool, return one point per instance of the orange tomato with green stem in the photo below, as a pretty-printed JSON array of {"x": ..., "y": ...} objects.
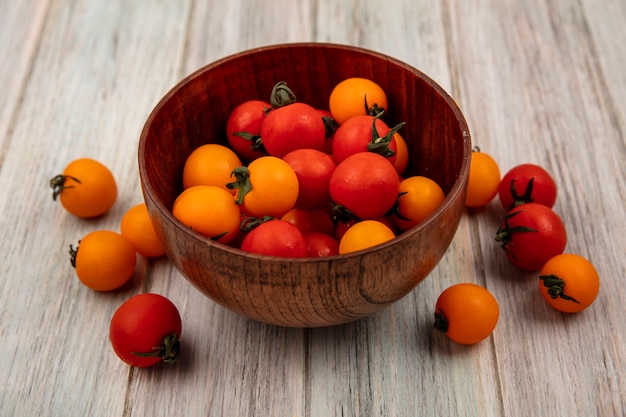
[
  {"x": 356, "y": 96},
  {"x": 86, "y": 188}
]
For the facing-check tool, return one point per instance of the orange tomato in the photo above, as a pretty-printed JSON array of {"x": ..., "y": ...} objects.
[
  {"x": 266, "y": 187},
  {"x": 209, "y": 210},
  {"x": 569, "y": 283},
  {"x": 418, "y": 197},
  {"x": 467, "y": 313},
  {"x": 484, "y": 179},
  {"x": 137, "y": 227},
  {"x": 402, "y": 154},
  {"x": 356, "y": 96},
  {"x": 86, "y": 188},
  {"x": 210, "y": 164},
  {"x": 104, "y": 260},
  {"x": 363, "y": 235}
]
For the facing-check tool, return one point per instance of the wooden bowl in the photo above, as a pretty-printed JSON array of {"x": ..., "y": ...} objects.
[{"x": 308, "y": 292}]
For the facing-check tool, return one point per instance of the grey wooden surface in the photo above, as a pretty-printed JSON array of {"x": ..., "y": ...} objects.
[{"x": 538, "y": 81}]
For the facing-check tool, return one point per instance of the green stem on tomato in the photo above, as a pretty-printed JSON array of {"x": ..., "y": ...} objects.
[
  {"x": 242, "y": 183},
  {"x": 556, "y": 287},
  {"x": 168, "y": 351}
]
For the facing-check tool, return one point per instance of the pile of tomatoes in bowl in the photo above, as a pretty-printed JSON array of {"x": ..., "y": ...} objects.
[{"x": 298, "y": 181}]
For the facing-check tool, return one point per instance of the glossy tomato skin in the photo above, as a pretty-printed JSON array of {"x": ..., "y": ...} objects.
[
  {"x": 366, "y": 184},
  {"x": 148, "y": 324},
  {"x": 293, "y": 126},
  {"x": 527, "y": 183},
  {"x": 531, "y": 234},
  {"x": 247, "y": 119},
  {"x": 320, "y": 244},
  {"x": 276, "y": 238},
  {"x": 313, "y": 169},
  {"x": 355, "y": 134}
]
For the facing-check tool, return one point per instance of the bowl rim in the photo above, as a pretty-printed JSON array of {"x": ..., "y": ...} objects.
[{"x": 456, "y": 189}]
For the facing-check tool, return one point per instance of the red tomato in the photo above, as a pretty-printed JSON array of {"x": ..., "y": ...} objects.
[
  {"x": 531, "y": 234},
  {"x": 366, "y": 184},
  {"x": 320, "y": 244},
  {"x": 293, "y": 126},
  {"x": 357, "y": 135},
  {"x": 146, "y": 330},
  {"x": 313, "y": 169},
  {"x": 527, "y": 183},
  {"x": 243, "y": 129},
  {"x": 276, "y": 238}
]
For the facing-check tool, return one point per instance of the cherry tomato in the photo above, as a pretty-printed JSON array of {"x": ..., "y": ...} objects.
[
  {"x": 569, "y": 283},
  {"x": 363, "y": 134},
  {"x": 364, "y": 234},
  {"x": 210, "y": 164},
  {"x": 467, "y": 313},
  {"x": 531, "y": 234},
  {"x": 320, "y": 244},
  {"x": 356, "y": 96},
  {"x": 527, "y": 183},
  {"x": 313, "y": 169},
  {"x": 145, "y": 330},
  {"x": 366, "y": 184},
  {"x": 137, "y": 227},
  {"x": 210, "y": 211},
  {"x": 418, "y": 197},
  {"x": 86, "y": 188},
  {"x": 266, "y": 187},
  {"x": 104, "y": 260},
  {"x": 243, "y": 129},
  {"x": 402, "y": 154},
  {"x": 293, "y": 126},
  {"x": 310, "y": 220},
  {"x": 484, "y": 179},
  {"x": 276, "y": 238}
]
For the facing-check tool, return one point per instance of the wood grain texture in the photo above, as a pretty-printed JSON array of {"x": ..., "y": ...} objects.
[{"x": 538, "y": 82}]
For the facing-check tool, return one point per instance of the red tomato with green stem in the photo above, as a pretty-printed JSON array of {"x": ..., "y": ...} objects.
[
  {"x": 366, "y": 184},
  {"x": 276, "y": 238},
  {"x": 243, "y": 129},
  {"x": 291, "y": 125},
  {"x": 145, "y": 330},
  {"x": 313, "y": 169},
  {"x": 527, "y": 183},
  {"x": 365, "y": 133},
  {"x": 531, "y": 234}
]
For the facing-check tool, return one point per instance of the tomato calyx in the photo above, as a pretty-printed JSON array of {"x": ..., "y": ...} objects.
[
  {"x": 372, "y": 110},
  {"x": 242, "y": 183},
  {"x": 505, "y": 232},
  {"x": 380, "y": 145},
  {"x": 281, "y": 95},
  {"x": 249, "y": 223},
  {"x": 556, "y": 287},
  {"x": 518, "y": 200},
  {"x": 256, "y": 142},
  {"x": 57, "y": 184},
  {"x": 168, "y": 351},
  {"x": 441, "y": 322},
  {"x": 330, "y": 126},
  {"x": 73, "y": 253},
  {"x": 343, "y": 215},
  {"x": 395, "y": 210}
]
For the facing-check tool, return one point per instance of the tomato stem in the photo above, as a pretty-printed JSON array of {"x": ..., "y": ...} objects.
[
  {"x": 380, "y": 145},
  {"x": 168, "y": 351},
  {"x": 395, "y": 210},
  {"x": 372, "y": 110},
  {"x": 73, "y": 252},
  {"x": 556, "y": 287},
  {"x": 441, "y": 322},
  {"x": 57, "y": 184},
  {"x": 506, "y": 232},
  {"x": 330, "y": 126},
  {"x": 281, "y": 95},
  {"x": 242, "y": 183},
  {"x": 256, "y": 142},
  {"x": 527, "y": 197}
]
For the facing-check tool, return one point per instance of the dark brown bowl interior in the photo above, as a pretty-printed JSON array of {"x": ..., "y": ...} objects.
[{"x": 304, "y": 292}]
